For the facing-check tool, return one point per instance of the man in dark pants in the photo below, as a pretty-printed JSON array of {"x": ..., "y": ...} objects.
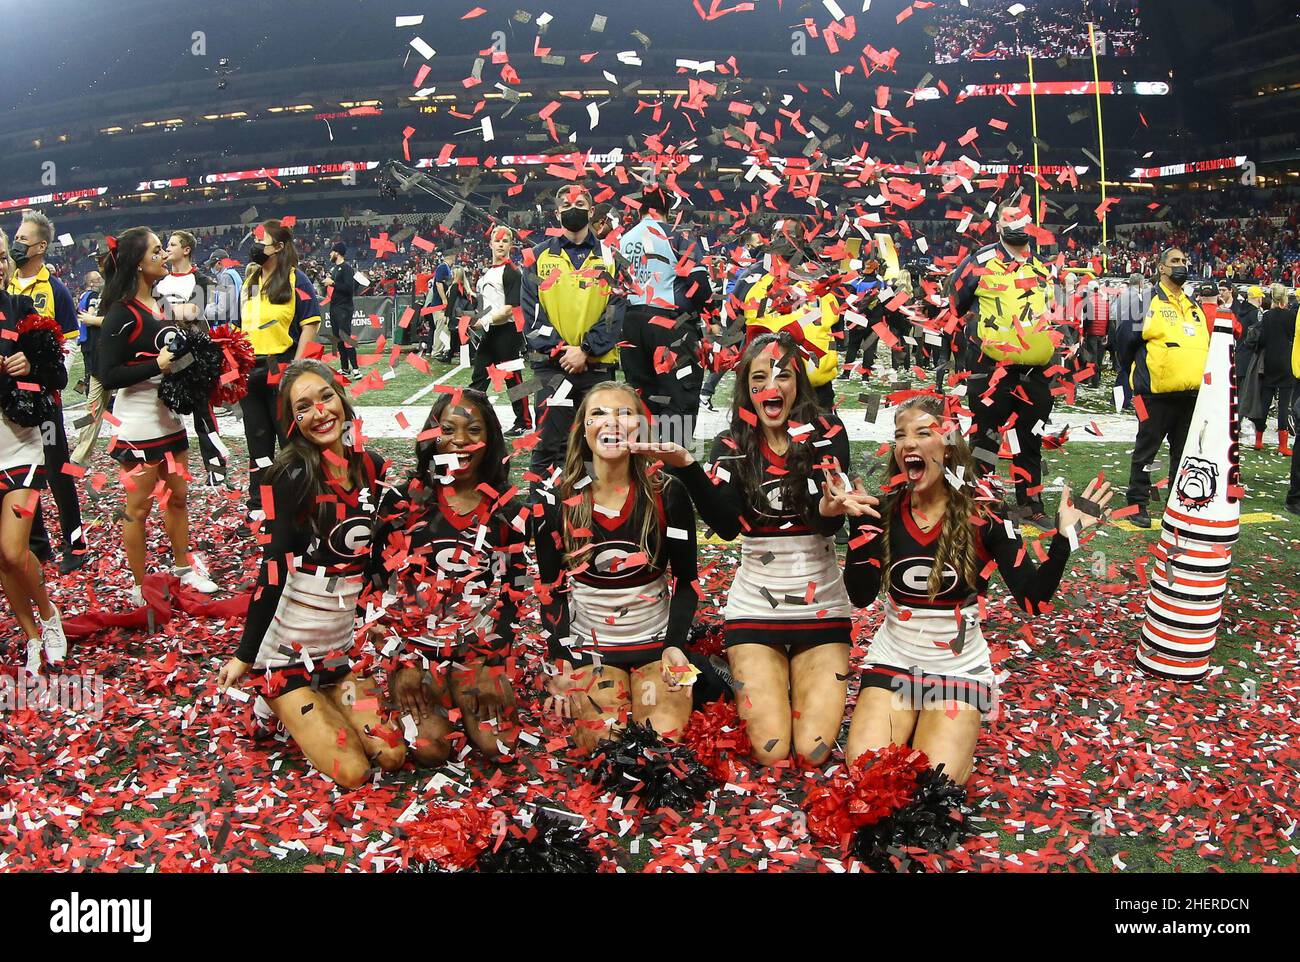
[
  {"x": 51, "y": 299},
  {"x": 342, "y": 287},
  {"x": 500, "y": 343},
  {"x": 1009, "y": 345},
  {"x": 1293, "y": 493},
  {"x": 661, "y": 331},
  {"x": 1165, "y": 356},
  {"x": 573, "y": 323}
]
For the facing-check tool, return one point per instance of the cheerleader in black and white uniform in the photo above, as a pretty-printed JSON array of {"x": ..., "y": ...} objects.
[
  {"x": 300, "y": 627},
  {"x": 928, "y": 680},
  {"x": 451, "y": 545},
  {"x": 137, "y": 347},
  {"x": 788, "y": 617},
  {"x": 615, "y": 542},
  {"x": 22, "y": 475}
]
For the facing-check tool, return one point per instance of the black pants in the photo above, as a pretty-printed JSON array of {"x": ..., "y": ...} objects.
[
  {"x": 1293, "y": 494},
  {"x": 261, "y": 427},
  {"x": 860, "y": 338},
  {"x": 901, "y": 354},
  {"x": 1168, "y": 416},
  {"x": 205, "y": 425},
  {"x": 1094, "y": 352},
  {"x": 1005, "y": 401},
  {"x": 500, "y": 344},
  {"x": 1266, "y": 395},
  {"x": 555, "y": 422},
  {"x": 341, "y": 325},
  {"x": 63, "y": 487},
  {"x": 665, "y": 394}
]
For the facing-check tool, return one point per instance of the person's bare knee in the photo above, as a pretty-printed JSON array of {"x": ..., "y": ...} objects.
[
  {"x": 351, "y": 770},
  {"x": 812, "y": 746}
]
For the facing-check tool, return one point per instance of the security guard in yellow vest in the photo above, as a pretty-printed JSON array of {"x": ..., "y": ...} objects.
[
  {"x": 1007, "y": 293},
  {"x": 51, "y": 298},
  {"x": 807, "y": 314},
  {"x": 1293, "y": 494},
  {"x": 573, "y": 321},
  {"x": 1164, "y": 360}
]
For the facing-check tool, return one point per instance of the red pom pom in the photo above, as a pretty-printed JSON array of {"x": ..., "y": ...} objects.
[
  {"x": 239, "y": 357},
  {"x": 452, "y": 837},
  {"x": 875, "y": 786},
  {"x": 716, "y": 734},
  {"x": 39, "y": 322}
]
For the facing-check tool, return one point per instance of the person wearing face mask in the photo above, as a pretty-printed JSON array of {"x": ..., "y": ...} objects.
[
  {"x": 33, "y": 279},
  {"x": 341, "y": 288},
  {"x": 298, "y": 636},
  {"x": 150, "y": 442},
  {"x": 281, "y": 316},
  {"x": 928, "y": 678},
  {"x": 573, "y": 306},
  {"x": 1010, "y": 342},
  {"x": 1165, "y": 355}
]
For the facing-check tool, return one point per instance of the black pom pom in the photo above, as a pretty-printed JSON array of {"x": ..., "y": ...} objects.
[
  {"x": 556, "y": 847},
  {"x": 661, "y": 775},
  {"x": 41, "y": 341},
  {"x": 932, "y": 821},
  {"x": 188, "y": 387}
]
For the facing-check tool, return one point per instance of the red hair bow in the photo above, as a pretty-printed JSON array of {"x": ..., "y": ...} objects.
[{"x": 111, "y": 241}]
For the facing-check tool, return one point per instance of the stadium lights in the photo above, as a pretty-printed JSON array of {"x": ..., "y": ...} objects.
[
  {"x": 110, "y": 130},
  {"x": 360, "y": 103},
  {"x": 234, "y": 115}
]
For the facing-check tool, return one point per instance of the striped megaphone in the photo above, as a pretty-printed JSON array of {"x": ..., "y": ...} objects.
[{"x": 1200, "y": 525}]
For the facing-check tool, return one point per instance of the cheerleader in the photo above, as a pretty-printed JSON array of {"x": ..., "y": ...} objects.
[
  {"x": 787, "y": 620},
  {"x": 451, "y": 542},
  {"x": 22, "y": 475},
  {"x": 299, "y": 630},
  {"x": 928, "y": 679},
  {"x": 136, "y": 349},
  {"x": 615, "y": 546}
]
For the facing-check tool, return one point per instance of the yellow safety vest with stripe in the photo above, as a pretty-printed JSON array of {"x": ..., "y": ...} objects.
[
  {"x": 1013, "y": 302},
  {"x": 816, "y": 322},
  {"x": 40, "y": 289},
  {"x": 1295, "y": 347},
  {"x": 1177, "y": 342},
  {"x": 575, "y": 299}
]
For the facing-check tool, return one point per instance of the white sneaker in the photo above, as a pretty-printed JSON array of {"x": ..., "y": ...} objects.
[
  {"x": 33, "y": 656},
  {"x": 137, "y": 596},
  {"x": 195, "y": 576},
  {"x": 53, "y": 638}
]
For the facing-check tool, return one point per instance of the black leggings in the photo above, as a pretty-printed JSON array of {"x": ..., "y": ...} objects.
[
  {"x": 341, "y": 325},
  {"x": 260, "y": 425},
  {"x": 501, "y": 344},
  {"x": 64, "y": 489}
]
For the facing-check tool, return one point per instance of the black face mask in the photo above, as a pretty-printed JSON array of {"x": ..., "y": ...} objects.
[
  {"x": 258, "y": 255},
  {"x": 575, "y": 219},
  {"x": 1178, "y": 275},
  {"x": 20, "y": 252},
  {"x": 1015, "y": 238}
]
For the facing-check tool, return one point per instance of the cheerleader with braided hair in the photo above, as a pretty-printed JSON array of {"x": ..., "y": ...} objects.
[{"x": 933, "y": 540}]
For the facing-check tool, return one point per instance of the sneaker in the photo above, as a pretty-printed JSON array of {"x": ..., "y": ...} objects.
[
  {"x": 1292, "y": 508},
  {"x": 1141, "y": 519},
  {"x": 517, "y": 430},
  {"x": 72, "y": 560},
  {"x": 216, "y": 480},
  {"x": 195, "y": 575},
  {"x": 706, "y": 401},
  {"x": 53, "y": 639},
  {"x": 137, "y": 596},
  {"x": 34, "y": 656}
]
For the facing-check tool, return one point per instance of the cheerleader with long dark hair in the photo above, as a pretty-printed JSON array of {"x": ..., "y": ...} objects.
[
  {"x": 22, "y": 474},
  {"x": 615, "y": 545},
  {"x": 787, "y": 619},
  {"x": 451, "y": 546},
  {"x": 137, "y": 348},
  {"x": 939, "y": 535},
  {"x": 299, "y": 633}
]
